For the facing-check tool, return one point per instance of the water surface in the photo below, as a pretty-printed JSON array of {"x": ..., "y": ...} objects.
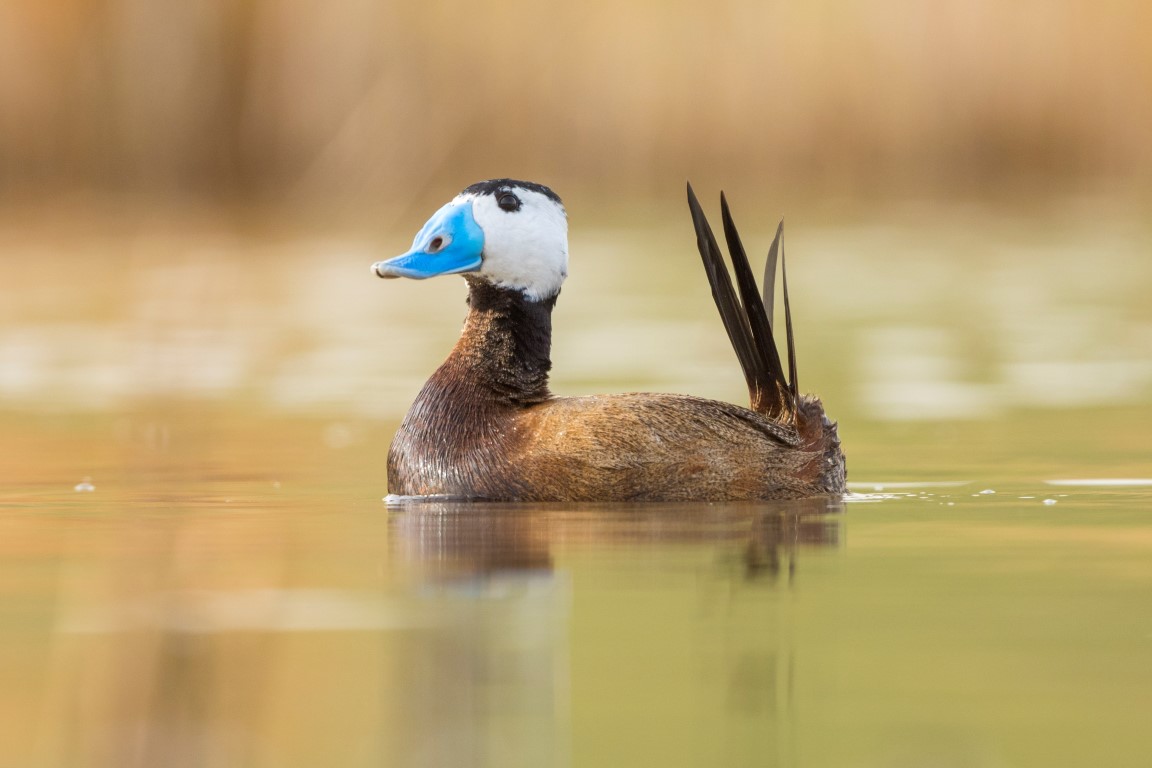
[{"x": 259, "y": 625}]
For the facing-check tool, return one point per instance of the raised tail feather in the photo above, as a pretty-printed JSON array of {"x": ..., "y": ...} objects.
[{"x": 747, "y": 314}]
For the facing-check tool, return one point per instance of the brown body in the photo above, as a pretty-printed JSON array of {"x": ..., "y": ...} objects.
[{"x": 485, "y": 426}]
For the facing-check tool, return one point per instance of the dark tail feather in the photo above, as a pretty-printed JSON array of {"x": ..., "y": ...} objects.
[
  {"x": 731, "y": 313},
  {"x": 772, "y": 400},
  {"x": 770, "y": 272},
  {"x": 793, "y": 379},
  {"x": 746, "y": 317}
]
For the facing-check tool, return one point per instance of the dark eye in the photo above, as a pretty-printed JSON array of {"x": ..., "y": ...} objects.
[
  {"x": 508, "y": 202},
  {"x": 436, "y": 244}
]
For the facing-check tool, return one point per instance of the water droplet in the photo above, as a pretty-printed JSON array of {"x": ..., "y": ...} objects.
[
  {"x": 84, "y": 487},
  {"x": 987, "y": 491},
  {"x": 1049, "y": 502}
]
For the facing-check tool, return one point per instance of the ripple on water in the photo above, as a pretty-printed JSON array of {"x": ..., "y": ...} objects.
[{"x": 884, "y": 485}]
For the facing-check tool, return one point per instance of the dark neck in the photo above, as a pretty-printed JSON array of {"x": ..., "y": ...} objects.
[{"x": 506, "y": 343}]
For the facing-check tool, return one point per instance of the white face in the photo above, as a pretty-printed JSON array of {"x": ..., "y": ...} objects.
[{"x": 526, "y": 247}]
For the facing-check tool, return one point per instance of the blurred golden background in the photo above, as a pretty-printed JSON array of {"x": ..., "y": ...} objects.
[
  {"x": 191, "y": 194},
  {"x": 361, "y": 104}
]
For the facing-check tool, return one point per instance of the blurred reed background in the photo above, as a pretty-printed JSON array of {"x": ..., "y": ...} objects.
[
  {"x": 362, "y": 104},
  {"x": 191, "y": 194}
]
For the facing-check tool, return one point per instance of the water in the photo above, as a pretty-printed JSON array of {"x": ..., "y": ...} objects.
[
  {"x": 229, "y": 621},
  {"x": 198, "y": 568}
]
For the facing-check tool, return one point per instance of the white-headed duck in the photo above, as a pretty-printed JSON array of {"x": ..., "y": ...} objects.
[{"x": 486, "y": 427}]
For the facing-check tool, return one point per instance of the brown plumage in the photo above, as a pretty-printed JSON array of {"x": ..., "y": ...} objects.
[{"x": 486, "y": 426}]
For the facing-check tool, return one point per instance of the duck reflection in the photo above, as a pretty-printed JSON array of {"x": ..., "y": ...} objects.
[
  {"x": 445, "y": 540},
  {"x": 665, "y": 597}
]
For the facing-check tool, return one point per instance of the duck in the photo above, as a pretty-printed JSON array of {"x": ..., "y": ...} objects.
[{"x": 486, "y": 426}]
